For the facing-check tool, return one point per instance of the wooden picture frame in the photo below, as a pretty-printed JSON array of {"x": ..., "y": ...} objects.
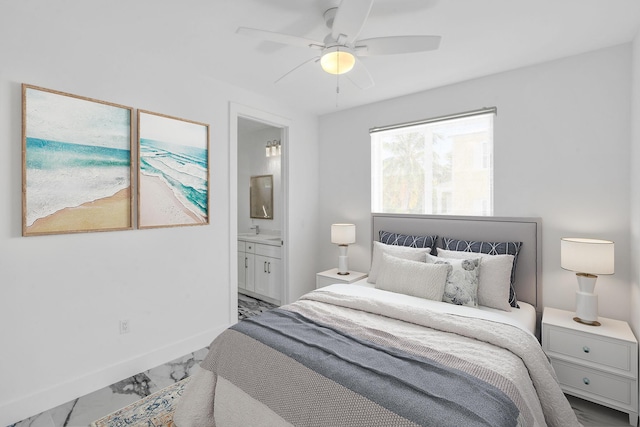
[
  {"x": 76, "y": 163},
  {"x": 173, "y": 171}
]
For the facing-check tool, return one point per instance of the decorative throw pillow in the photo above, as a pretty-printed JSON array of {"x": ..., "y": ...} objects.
[
  {"x": 490, "y": 248},
  {"x": 407, "y": 240},
  {"x": 494, "y": 279},
  {"x": 462, "y": 282},
  {"x": 404, "y": 252},
  {"x": 414, "y": 278}
]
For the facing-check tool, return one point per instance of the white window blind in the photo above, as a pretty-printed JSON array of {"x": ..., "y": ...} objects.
[{"x": 435, "y": 166}]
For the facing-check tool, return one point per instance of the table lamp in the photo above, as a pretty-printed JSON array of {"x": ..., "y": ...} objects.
[
  {"x": 588, "y": 258},
  {"x": 343, "y": 235}
]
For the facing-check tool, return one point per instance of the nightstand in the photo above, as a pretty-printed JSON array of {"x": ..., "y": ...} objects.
[
  {"x": 596, "y": 363},
  {"x": 329, "y": 277}
]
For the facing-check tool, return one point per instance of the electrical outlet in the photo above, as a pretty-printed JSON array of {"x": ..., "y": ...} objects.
[{"x": 124, "y": 327}]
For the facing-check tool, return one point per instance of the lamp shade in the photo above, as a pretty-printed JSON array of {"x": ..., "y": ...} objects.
[
  {"x": 590, "y": 256},
  {"x": 337, "y": 60},
  {"x": 343, "y": 234}
]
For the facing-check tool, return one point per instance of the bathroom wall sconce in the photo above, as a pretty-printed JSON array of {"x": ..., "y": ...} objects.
[{"x": 273, "y": 148}]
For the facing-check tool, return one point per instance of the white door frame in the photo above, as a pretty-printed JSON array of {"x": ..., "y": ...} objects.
[{"x": 235, "y": 111}]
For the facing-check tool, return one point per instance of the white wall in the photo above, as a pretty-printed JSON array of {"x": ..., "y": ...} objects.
[
  {"x": 561, "y": 152},
  {"x": 635, "y": 186},
  {"x": 62, "y": 296},
  {"x": 302, "y": 179},
  {"x": 253, "y": 161}
]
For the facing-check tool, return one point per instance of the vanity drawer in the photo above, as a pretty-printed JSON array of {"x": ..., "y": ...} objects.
[
  {"x": 268, "y": 250},
  {"x": 596, "y": 384},
  {"x": 604, "y": 352},
  {"x": 250, "y": 247}
]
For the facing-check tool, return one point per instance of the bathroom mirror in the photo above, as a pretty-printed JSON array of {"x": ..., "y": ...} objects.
[{"x": 261, "y": 197}]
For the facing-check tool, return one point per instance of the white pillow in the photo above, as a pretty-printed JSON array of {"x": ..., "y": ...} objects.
[
  {"x": 462, "y": 282},
  {"x": 404, "y": 252},
  {"x": 414, "y": 278},
  {"x": 495, "y": 277}
]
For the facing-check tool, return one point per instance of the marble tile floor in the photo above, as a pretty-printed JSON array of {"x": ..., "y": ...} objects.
[
  {"x": 81, "y": 412},
  {"x": 594, "y": 415},
  {"x": 86, "y": 409},
  {"x": 248, "y": 306}
]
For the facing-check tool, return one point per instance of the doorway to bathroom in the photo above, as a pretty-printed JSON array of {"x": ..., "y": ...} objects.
[{"x": 258, "y": 215}]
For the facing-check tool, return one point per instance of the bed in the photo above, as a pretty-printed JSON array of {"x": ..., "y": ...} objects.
[{"x": 387, "y": 351}]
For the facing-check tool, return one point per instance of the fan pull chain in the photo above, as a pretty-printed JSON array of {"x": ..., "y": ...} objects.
[
  {"x": 338, "y": 78},
  {"x": 337, "y": 88}
]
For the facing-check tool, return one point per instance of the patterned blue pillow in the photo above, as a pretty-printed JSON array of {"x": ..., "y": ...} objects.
[
  {"x": 406, "y": 240},
  {"x": 491, "y": 248}
]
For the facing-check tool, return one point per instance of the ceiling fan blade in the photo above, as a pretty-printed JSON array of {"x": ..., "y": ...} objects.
[
  {"x": 360, "y": 76},
  {"x": 350, "y": 18},
  {"x": 316, "y": 59},
  {"x": 280, "y": 38},
  {"x": 396, "y": 44}
]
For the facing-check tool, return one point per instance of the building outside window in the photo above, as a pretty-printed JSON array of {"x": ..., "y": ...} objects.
[{"x": 440, "y": 166}]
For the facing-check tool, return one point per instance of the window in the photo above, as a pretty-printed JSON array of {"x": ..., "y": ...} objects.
[{"x": 439, "y": 166}]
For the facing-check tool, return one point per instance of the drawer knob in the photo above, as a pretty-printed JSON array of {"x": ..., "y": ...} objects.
[
  {"x": 586, "y": 349},
  {"x": 586, "y": 381}
]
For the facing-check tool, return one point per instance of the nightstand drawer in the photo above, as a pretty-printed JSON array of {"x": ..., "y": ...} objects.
[
  {"x": 596, "y": 363},
  {"x": 597, "y": 384},
  {"x": 591, "y": 348}
]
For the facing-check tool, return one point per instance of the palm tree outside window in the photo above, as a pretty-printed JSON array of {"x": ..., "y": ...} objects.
[{"x": 443, "y": 167}]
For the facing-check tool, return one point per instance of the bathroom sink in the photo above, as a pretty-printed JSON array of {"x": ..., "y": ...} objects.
[{"x": 259, "y": 237}]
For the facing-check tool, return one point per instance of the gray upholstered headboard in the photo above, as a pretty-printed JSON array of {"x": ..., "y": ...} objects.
[{"x": 528, "y": 284}]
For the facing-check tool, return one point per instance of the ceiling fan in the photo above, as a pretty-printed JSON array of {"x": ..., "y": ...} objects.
[{"x": 341, "y": 49}]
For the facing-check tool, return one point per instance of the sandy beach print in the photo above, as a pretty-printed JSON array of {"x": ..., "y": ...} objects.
[
  {"x": 173, "y": 174},
  {"x": 99, "y": 214},
  {"x": 77, "y": 165},
  {"x": 167, "y": 208}
]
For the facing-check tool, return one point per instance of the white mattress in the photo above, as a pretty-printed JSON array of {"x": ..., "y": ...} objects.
[{"x": 524, "y": 317}]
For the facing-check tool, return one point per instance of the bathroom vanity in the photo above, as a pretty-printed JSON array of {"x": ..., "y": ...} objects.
[{"x": 260, "y": 266}]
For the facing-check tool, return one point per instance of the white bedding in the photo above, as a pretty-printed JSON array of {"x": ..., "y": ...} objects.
[
  {"x": 488, "y": 345},
  {"x": 524, "y": 317}
]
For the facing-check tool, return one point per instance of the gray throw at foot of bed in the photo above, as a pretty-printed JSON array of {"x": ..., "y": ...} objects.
[{"x": 415, "y": 388}]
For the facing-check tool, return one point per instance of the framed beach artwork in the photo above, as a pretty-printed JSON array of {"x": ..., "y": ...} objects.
[
  {"x": 76, "y": 163},
  {"x": 173, "y": 171}
]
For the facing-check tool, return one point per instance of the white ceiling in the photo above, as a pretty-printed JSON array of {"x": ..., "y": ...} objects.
[{"x": 479, "y": 37}]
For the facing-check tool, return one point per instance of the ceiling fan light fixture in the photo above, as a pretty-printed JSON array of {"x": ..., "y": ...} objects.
[{"x": 337, "y": 60}]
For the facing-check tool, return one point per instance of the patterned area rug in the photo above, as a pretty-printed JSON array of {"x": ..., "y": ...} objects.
[{"x": 155, "y": 410}]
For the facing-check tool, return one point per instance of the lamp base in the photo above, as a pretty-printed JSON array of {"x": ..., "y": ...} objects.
[
  {"x": 584, "y": 322},
  {"x": 343, "y": 261},
  {"x": 586, "y": 300}
]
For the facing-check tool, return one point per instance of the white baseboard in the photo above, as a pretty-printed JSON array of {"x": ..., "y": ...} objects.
[{"x": 25, "y": 407}]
